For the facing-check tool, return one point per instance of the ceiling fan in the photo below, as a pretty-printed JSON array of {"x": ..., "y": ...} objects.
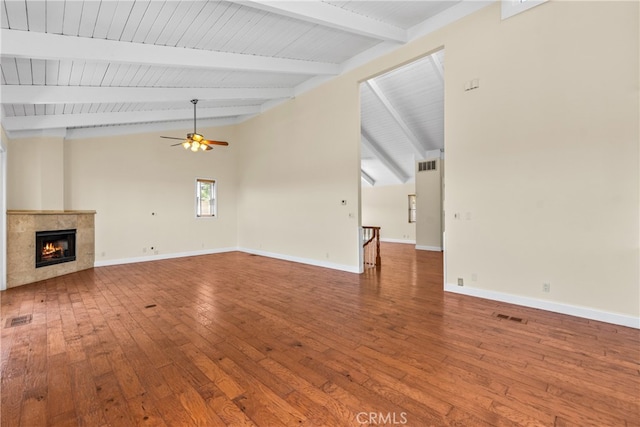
[{"x": 196, "y": 141}]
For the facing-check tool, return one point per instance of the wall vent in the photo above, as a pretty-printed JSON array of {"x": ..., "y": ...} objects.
[{"x": 429, "y": 165}]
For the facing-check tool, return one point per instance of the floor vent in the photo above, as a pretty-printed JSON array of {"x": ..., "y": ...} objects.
[
  {"x": 149, "y": 306},
  {"x": 512, "y": 318},
  {"x": 20, "y": 320}
]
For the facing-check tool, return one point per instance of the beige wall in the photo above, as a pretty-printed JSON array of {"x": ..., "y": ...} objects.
[
  {"x": 429, "y": 208},
  {"x": 128, "y": 179},
  {"x": 542, "y": 159},
  {"x": 388, "y": 207},
  {"x": 298, "y": 161},
  {"x": 35, "y": 173}
]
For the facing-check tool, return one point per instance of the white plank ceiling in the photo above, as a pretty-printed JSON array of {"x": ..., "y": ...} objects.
[{"x": 100, "y": 67}]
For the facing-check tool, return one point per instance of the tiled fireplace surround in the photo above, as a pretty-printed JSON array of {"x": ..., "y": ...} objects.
[{"x": 21, "y": 230}]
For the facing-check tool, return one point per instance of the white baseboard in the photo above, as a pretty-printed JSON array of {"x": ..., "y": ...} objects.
[
  {"x": 161, "y": 256},
  {"x": 572, "y": 310},
  {"x": 410, "y": 242},
  {"x": 325, "y": 264},
  {"x": 317, "y": 263},
  {"x": 429, "y": 248}
]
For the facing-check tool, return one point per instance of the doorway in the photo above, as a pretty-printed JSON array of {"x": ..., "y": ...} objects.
[
  {"x": 3, "y": 214},
  {"x": 402, "y": 126}
]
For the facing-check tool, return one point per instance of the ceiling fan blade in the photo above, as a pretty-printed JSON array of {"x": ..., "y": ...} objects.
[
  {"x": 195, "y": 140},
  {"x": 210, "y": 142},
  {"x": 173, "y": 145}
]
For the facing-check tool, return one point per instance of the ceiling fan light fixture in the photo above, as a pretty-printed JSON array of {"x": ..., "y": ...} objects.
[{"x": 195, "y": 141}]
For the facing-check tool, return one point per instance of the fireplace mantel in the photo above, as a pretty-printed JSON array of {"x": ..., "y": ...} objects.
[
  {"x": 19, "y": 212},
  {"x": 21, "y": 228}
]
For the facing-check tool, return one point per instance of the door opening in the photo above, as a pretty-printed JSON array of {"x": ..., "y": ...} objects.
[{"x": 402, "y": 126}]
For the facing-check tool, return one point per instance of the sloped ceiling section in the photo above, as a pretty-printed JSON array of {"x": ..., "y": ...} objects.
[
  {"x": 100, "y": 67},
  {"x": 402, "y": 120}
]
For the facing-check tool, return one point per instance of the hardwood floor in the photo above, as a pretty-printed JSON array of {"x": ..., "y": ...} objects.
[{"x": 236, "y": 339}]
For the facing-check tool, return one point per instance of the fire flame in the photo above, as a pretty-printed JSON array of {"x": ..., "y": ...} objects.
[{"x": 50, "y": 249}]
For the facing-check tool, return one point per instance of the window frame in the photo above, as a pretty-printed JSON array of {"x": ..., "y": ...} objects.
[{"x": 214, "y": 196}]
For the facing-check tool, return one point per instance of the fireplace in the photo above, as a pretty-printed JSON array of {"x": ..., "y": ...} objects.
[{"x": 55, "y": 247}]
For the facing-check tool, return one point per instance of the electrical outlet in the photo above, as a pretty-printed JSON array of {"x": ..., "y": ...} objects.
[
  {"x": 474, "y": 277},
  {"x": 546, "y": 287},
  {"x": 460, "y": 281},
  {"x": 144, "y": 250}
]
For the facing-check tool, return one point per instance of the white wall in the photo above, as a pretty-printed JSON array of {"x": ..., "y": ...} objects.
[{"x": 388, "y": 207}]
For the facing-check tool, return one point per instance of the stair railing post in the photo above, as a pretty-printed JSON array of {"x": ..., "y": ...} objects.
[{"x": 378, "y": 259}]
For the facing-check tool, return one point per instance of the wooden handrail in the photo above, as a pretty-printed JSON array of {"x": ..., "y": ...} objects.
[{"x": 371, "y": 233}]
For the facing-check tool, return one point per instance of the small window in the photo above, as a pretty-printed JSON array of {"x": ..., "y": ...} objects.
[
  {"x": 513, "y": 7},
  {"x": 205, "y": 198},
  {"x": 412, "y": 208}
]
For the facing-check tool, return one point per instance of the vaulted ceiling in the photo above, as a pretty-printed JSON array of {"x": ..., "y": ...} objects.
[
  {"x": 84, "y": 68},
  {"x": 402, "y": 120}
]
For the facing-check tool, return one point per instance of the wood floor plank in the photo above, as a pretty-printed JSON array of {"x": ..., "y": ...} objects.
[
  {"x": 242, "y": 340},
  {"x": 229, "y": 412},
  {"x": 259, "y": 402},
  {"x": 59, "y": 395},
  {"x": 12, "y": 389},
  {"x": 220, "y": 378},
  {"x": 112, "y": 400},
  {"x": 144, "y": 412},
  {"x": 318, "y": 404},
  {"x": 84, "y": 395}
]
